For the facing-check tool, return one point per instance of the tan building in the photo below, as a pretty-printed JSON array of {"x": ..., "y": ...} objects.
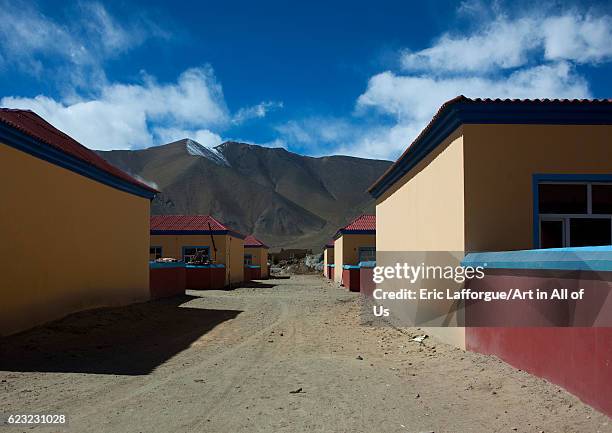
[
  {"x": 489, "y": 175},
  {"x": 328, "y": 260},
  {"x": 183, "y": 236},
  {"x": 74, "y": 228},
  {"x": 354, "y": 243},
  {"x": 256, "y": 255}
]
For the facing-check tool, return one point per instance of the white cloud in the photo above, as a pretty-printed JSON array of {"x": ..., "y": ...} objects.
[
  {"x": 509, "y": 43},
  {"x": 584, "y": 39},
  {"x": 125, "y": 116},
  {"x": 256, "y": 111},
  {"x": 501, "y": 44},
  {"x": 410, "y": 97},
  {"x": 71, "y": 51},
  {"x": 534, "y": 56}
]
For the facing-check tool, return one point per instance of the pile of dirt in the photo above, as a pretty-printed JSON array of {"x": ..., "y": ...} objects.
[{"x": 311, "y": 264}]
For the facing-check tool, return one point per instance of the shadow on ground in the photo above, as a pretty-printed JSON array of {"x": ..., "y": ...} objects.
[
  {"x": 255, "y": 284},
  {"x": 130, "y": 340}
]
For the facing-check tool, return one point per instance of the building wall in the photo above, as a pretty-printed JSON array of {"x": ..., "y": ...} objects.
[
  {"x": 260, "y": 257},
  {"x": 499, "y": 163},
  {"x": 346, "y": 251},
  {"x": 172, "y": 246},
  {"x": 338, "y": 245},
  {"x": 424, "y": 210},
  {"x": 328, "y": 258},
  {"x": 69, "y": 243},
  {"x": 235, "y": 265}
]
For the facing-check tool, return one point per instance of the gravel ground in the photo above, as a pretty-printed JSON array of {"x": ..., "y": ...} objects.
[{"x": 283, "y": 355}]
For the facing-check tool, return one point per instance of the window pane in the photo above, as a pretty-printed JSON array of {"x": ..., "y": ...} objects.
[
  {"x": 367, "y": 254},
  {"x": 588, "y": 232},
  {"x": 602, "y": 199},
  {"x": 562, "y": 199},
  {"x": 551, "y": 234}
]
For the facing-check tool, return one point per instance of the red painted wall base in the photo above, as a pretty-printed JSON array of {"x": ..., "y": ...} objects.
[
  {"x": 578, "y": 359},
  {"x": 165, "y": 282},
  {"x": 350, "y": 279}
]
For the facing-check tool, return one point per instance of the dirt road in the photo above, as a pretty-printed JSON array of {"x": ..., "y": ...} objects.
[{"x": 287, "y": 355}]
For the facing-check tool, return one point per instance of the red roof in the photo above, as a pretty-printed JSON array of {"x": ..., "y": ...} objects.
[
  {"x": 186, "y": 223},
  {"x": 33, "y": 125},
  {"x": 363, "y": 224},
  {"x": 252, "y": 242},
  {"x": 553, "y": 106}
]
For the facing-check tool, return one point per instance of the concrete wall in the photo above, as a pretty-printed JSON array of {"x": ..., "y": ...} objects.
[
  {"x": 424, "y": 211},
  {"x": 260, "y": 257},
  {"x": 499, "y": 163},
  {"x": 230, "y": 250},
  {"x": 346, "y": 251},
  {"x": 235, "y": 263},
  {"x": 338, "y": 246},
  {"x": 68, "y": 243}
]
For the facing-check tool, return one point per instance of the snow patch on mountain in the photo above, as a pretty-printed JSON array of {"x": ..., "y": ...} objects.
[{"x": 196, "y": 149}]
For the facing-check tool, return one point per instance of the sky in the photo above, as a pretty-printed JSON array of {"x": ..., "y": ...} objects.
[{"x": 356, "y": 78}]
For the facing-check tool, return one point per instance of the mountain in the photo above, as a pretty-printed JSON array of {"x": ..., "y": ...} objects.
[{"x": 285, "y": 199}]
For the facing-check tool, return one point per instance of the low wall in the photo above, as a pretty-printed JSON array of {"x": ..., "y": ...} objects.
[
  {"x": 204, "y": 277},
  {"x": 366, "y": 274},
  {"x": 252, "y": 272},
  {"x": 166, "y": 279},
  {"x": 572, "y": 343},
  {"x": 350, "y": 277}
]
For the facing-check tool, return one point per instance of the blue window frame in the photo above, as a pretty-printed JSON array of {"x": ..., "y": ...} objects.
[
  {"x": 248, "y": 259},
  {"x": 189, "y": 251},
  {"x": 572, "y": 210},
  {"x": 367, "y": 254}
]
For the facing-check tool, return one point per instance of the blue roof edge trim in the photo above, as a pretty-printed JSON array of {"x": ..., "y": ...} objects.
[
  {"x": 569, "y": 259},
  {"x": 457, "y": 114},
  {"x": 368, "y": 264},
  {"x": 23, "y": 142},
  {"x": 350, "y": 266},
  {"x": 343, "y": 232},
  {"x": 198, "y": 232},
  {"x": 164, "y": 265}
]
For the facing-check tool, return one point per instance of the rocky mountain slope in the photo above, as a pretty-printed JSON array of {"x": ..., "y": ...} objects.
[{"x": 285, "y": 199}]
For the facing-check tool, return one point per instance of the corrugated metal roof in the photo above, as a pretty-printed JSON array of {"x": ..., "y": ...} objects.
[
  {"x": 33, "y": 125},
  {"x": 556, "y": 111},
  {"x": 186, "y": 223},
  {"x": 252, "y": 242}
]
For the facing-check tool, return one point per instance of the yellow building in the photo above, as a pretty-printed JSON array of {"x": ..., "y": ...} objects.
[
  {"x": 182, "y": 236},
  {"x": 256, "y": 255},
  {"x": 354, "y": 243},
  {"x": 328, "y": 260},
  {"x": 74, "y": 228},
  {"x": 490, "y": 175}
]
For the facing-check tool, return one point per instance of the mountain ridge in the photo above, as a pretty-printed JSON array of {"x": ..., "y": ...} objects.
[{"x": 286, "y": 199}]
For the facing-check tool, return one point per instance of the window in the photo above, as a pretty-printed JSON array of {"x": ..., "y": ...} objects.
[
  {"x": 367, "y": 254},
  {"x": 190, "y": 252},
  {"x": 248, "y": 259},
  {"x": 155, "y": 253},
  {"x": 574, "y": 214}
]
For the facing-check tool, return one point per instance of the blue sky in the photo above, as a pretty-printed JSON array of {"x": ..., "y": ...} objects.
[{"x": 318, "y": 78}]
